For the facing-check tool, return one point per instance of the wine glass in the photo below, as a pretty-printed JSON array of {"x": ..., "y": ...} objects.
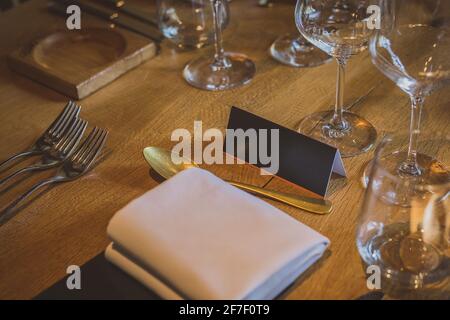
[
  {"x": 412, "y": 48},
  {"x": 340, "y": 28},
  {"x": 188, "y": 23},
  {"x": 404, "y": 228},
  {"x": 225, "y": 70},
  {"x": 295, "y": 51}
]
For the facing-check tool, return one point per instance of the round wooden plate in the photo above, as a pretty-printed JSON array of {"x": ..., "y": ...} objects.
[{"x": 79, "y": 51}]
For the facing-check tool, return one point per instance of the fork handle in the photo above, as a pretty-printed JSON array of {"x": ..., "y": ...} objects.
[
  {"x": 30, "y": 152},
  {"x": 31, "y": 168},
  {"x": 9, "y": 211}
]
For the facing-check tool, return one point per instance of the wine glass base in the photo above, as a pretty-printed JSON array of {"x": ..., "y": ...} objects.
[
  {"x": 202, "y": 74},
  {"x": 359, "y": 137},
  {"x": 287, "y": 51},
  {"x": 432, "y": 172}
]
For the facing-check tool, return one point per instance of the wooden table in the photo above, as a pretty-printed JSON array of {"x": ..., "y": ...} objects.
[{"x": 66, "y": 224}]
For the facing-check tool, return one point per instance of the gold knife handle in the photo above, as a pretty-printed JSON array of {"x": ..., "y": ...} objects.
[{"x": 313, "y": 205}]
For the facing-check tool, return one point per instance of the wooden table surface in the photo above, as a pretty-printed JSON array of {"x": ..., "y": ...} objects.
[{"x": 66, "y": 224}]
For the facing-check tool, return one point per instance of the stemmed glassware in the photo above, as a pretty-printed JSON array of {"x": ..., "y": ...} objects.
[
  {"x": 339, "y": 28},
  {"x": 188, "y": 23},
  {"x": 412, "y": 48},
  {"x": 296, "y": 51},
  {"x": 225, "y": 70},
  {"x": 404, "y": 228}
]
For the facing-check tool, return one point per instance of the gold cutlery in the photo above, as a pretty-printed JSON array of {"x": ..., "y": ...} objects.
[{"x": 161, "y": 161}]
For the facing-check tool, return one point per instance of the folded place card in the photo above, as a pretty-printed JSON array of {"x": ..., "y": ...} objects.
[{"x": 300, "y": 159}]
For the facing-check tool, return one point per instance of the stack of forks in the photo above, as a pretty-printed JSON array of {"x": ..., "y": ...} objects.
[{"x": 59, "y": 147}]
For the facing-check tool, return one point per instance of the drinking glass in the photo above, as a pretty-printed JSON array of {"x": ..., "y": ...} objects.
[
  {"x": 339, "y": 28},
  {"x": 225, "y": 70},
  {"x": 188, "y": 23},
  {"x": 412, "y": 48},
  {"x": 404, "y": 224},
  {"x": 296, "y": 51}
]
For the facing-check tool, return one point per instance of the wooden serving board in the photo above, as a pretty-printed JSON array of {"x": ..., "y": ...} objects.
[{"x": 77, "y": 63}]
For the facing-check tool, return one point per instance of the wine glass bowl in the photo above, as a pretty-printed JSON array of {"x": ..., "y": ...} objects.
[
  {"x": 337, "y": 27},
  {"x": 188, "y": 24},
  {"x": 423, "y": 67}
]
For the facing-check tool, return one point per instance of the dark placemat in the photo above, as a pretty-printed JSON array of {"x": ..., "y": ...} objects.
[{"x": 99, "y": 280}]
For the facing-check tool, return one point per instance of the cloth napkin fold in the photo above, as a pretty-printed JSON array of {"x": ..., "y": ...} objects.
[{"x": 197, "y": 237}]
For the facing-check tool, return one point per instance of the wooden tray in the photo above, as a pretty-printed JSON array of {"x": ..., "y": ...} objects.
[{"x": 77, "y": 63}]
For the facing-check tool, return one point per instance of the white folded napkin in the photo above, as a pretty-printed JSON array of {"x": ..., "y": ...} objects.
[{"x": 197, "y": 237}]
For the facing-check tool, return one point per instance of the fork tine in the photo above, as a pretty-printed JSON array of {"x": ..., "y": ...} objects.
[
  {"x": 60, "y": 117},
  {"x": 72, "y": 144},
  {"x": 72, "y": 112},
  {"x": 71, "y": 135},
  {"x": 84, "y": 145},
  {"x": 91, "y": 145},
  {"x": 69, "y": 119},
  {"x": 67, "y": 115},
  {"x": 95, "y": 151},
  {"x": 68, "y": 134}
]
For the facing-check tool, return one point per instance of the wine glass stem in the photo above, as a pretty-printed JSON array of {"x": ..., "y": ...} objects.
[
  {"x": 410, "y": 165},
  {"x": 338, "y": 120},
  {"x": 220, "y": 61}
]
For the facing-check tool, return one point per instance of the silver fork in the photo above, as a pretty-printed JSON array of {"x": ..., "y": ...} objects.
[
  {"x": 74, "y": 167},
  {"x": 57, "y": 153},
  {"x": 53, "y": 133}
]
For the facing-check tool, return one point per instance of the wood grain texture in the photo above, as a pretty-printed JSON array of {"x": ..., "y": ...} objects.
[{"x": 66, "y": 224}]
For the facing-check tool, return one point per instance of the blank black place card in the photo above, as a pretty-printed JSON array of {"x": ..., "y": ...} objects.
[{"x": 281, "y": 151}]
